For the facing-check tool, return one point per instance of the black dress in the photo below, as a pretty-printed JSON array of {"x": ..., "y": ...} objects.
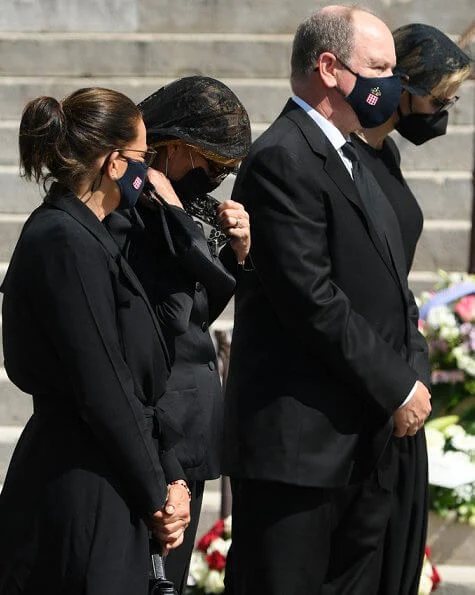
[
  {"x": 80, "y": 337},
  {"x": 189, "y": 288},
  {"x": 407, "y": 530}
]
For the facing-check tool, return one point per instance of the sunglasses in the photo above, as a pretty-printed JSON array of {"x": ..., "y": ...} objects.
[
  {"x": 218, "y": 171},
  {"x": 441, "y": 104},
  {"x": 147, "y": 156}
]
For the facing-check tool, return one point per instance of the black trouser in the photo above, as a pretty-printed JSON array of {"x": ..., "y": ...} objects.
[
  {"x": 290, "y": 540},
  {"x": 177, "y": 563}
]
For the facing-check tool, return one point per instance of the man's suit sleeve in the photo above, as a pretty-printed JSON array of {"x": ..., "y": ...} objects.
[
  {"x": 291, "y": 256},
  {"x": 419, "y": 350}
]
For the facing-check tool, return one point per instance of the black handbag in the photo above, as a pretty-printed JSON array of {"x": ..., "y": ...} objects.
[{"x": 158, "y": 584}]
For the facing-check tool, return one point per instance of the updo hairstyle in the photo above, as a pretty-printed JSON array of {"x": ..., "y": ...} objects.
[{"x": 63, "y": 140}]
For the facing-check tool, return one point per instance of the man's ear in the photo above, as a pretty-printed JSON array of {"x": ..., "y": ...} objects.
[{"x": 327, "y": 66}]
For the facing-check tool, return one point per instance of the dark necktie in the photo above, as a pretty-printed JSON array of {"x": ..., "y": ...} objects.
[
  {"x": 379, "y": 210},
  {"x": 374, "y": 200}
]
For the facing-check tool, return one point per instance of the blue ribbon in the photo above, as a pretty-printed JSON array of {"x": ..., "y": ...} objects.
[{"x": 446, "y": 296}]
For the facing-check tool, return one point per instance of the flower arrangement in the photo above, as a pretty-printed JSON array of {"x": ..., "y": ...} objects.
[
  {"x": 448, "y": 323},
  {"x": 430, "y": 578},
  {"x": 452, "y": 449},
  {"x": 447, "y": 320},
  {"x": 208, "y": 560}
]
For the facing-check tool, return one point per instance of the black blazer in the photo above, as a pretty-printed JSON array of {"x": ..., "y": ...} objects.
[
  {"x": 72, "y": 308},
  {"x": 188, "y": 288},
  {"x": 319, "y": 352},
  {"x": 80, "y": 336}
]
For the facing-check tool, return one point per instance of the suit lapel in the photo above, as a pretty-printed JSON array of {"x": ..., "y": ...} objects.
[
  {"x": 76, "y": 209},
  {"x": 338, "y": 173}
]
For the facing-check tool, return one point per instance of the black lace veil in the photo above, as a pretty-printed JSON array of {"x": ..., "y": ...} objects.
[
  {"x": 425, "y": 55},
  {"x": 201, "y": 111}
]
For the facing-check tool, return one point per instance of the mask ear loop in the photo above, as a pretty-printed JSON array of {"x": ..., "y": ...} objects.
[
  {"x": 100, "y": 175},
  {"x": 191, "y": 159},
  {"x": 399, "y": 111},
  {"x": 166, "y": 165}
]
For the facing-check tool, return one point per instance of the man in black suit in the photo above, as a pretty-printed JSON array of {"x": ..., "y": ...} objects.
[{"x": 319, "y": 377}]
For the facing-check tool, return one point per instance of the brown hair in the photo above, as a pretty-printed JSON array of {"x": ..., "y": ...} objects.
[{"x": 63, "y": 140}]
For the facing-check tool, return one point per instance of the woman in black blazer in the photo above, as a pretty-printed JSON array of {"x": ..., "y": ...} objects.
[
  {"x": 201, "y": 131},
  {"x": 432, "y": 67},
  {"x": 85, "y": 482}
]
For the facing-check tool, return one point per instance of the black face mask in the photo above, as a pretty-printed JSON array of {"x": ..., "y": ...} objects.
[
  {"x": 419, "y": 128},
  {"x": 195, "y": 183}
]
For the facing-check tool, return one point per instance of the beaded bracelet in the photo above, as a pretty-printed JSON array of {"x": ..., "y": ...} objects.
[{"x": 182, "y": 482}]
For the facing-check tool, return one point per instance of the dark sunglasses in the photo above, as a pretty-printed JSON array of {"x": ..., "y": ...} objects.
[
  {"x": 441, "y": 104},
  {"x": 218, "y": 171}
]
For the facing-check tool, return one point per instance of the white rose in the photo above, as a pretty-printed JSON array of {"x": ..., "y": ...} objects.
[
  {"x": 449, "y": 333},
  {"x": 465, "y": 361},
  {"x": 464, "y": 493},
  {"x": 425, "y": 585},
  {"x": 219, "y": 545},
  {"x": 464, "y": 442},
  {"x": 214, "y": 582},
  {"x": 435, "y": 441},
  {"x": 455, "y": 458},
  {"x": 198, "y": 569},
  {"x": 441, "y": 316},
  {"x": 454, "y": 430}
]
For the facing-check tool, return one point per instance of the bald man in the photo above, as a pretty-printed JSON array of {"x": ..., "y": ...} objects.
[{"x": 319, "y": 378}]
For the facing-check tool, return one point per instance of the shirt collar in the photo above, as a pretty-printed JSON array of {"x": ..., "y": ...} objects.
[{"x": 335, "y": 137}]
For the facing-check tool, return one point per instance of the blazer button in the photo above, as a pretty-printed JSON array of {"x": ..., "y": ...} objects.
[
  {"x": 198, "y": 286},
  {"x": 211, "y": 365},
  {"x": 204, "y": 326}
]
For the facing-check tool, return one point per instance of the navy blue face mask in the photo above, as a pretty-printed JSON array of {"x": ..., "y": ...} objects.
[
  {"x": 131, "y": 183},
  {"x": 374, "y": 99}
]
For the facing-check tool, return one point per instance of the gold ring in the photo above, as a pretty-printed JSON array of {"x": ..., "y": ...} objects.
[{"x": 237, "y": 222}]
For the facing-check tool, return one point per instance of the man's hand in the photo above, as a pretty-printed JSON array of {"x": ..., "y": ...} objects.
[
  {"x": 411, "y": 417},
  {"x": 169, "y": 524}
]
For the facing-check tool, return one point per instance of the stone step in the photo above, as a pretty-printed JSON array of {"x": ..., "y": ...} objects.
[
  {"x": 456, "y": 580},
  {"x": 8, "y": 438},
  {"x": 15, "y": 405},
  {"x": 451, "y": 152},
  {"x": 15, "y": 92},
  {"x": 260, "y": 55},
  {"x": 443, "y": 245},
  {"x": 145, "y": 54},
  {"x": 10, "y": 227},
  {"x": 441, "y": 194},
  {"x": 454, "y": 151},
  {"x": 9, "y": 131},
  {"x": 265, "y": 16},
  {"x": 420, "y": 281},
  {"x": 263, "y": 98}
]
